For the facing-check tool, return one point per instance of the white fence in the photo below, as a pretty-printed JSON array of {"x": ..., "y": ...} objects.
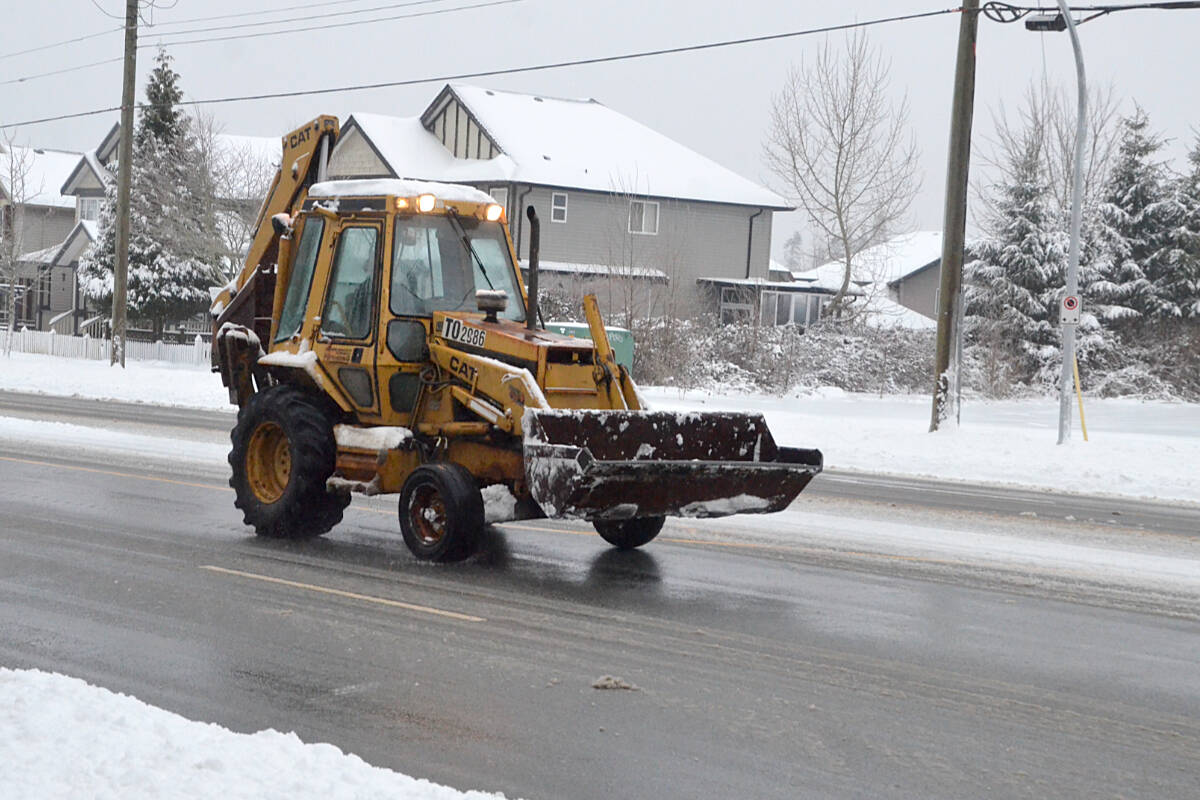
[{"x": 49, "y": 343}]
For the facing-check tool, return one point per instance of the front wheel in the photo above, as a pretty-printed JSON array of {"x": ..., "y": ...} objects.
[
  {"x": 283, "y": 453},
  {"x": 441, "y": 512},
  {"x": 627, "y": 534}
]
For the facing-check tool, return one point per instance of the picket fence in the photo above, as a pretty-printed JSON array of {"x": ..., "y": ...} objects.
[{"x": 49, "y": 343}]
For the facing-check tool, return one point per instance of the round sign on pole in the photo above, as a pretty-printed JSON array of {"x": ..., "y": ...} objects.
[{"x": 1069, "y": 314}]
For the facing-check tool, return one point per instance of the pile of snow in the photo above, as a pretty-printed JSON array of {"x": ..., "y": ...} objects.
[
  {"x": 1137, "y": 448},
  {"x": 65, "y": 738}
]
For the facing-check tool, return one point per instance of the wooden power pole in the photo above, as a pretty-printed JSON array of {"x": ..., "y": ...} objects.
[
  {"x": 955, "y": 224},
  {"x": 124, "y": 172}
]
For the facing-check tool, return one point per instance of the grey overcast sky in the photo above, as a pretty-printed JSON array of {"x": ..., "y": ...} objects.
[{"x": 715, "y": 101}]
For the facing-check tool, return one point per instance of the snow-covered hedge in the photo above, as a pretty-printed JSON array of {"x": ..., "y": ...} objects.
[{"x": 854, "y": 357}]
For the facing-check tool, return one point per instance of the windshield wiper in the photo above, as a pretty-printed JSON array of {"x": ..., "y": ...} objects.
[{"x": 466, "y": 240}]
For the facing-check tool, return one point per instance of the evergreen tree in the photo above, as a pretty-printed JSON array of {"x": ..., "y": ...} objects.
[
  {"x": 161, "y": 118},
  {"x": 1135, "y": 218},
  {"x": 173, "y": 238},
  {"x": 1177, "y": 288},
  {"x": 1016, "y": 276},
  {"x": 793, "y": 252}
]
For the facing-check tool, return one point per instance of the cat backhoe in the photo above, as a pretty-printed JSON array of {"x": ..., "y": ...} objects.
[{"x": 380, "y": 340}]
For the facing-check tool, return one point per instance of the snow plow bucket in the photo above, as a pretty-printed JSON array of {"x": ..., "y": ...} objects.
[{"x": 613, "y": 465}]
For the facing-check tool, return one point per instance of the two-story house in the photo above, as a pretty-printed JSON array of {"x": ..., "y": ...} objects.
[
  {"x": 37, "y": 216},
  {"x": 643, "y": 221}
]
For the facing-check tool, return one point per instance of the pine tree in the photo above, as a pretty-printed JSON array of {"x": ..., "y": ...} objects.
[
  {"x": 1177, "y": 288},
  {"x": 173, "y": 238},
  {"x": 1015, "y": 278},
  {"x": 793, "y": 252},
  {"x": 1135, "y": 219}
]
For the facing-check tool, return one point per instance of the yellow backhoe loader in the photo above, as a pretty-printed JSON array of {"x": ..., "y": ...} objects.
[{"x": 380, "y": 339}]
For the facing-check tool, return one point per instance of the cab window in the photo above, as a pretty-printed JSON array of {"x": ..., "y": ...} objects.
[
  {"x": 294, "y": 304},
  {"x": 433, "y": 270},
  {"x": 349, "y": 304}
]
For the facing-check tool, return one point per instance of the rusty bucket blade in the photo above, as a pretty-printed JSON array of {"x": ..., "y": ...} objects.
[{"x": 624, "y": 464}]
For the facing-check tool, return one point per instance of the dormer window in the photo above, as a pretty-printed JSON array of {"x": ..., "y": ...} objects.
[{"x": 89, "y": 208}]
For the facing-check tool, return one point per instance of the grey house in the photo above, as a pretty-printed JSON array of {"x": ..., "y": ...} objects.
[
  {"x": 641, "y": 220},
  {"x": 36, "y": 213}
]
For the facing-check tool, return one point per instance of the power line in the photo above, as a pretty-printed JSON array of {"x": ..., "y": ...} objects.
[
  {"x": 150, "y": 45},
  {"x": 52, "y": 45},
  {"x": 515, "y": 70},
  {"x": 241, "y": 25},
  {"x": 433, "y": 12},
  {"x": 97, "y": 34}
]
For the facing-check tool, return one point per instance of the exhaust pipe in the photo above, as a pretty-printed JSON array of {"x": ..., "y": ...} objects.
[{"x": 535, "y": 240}]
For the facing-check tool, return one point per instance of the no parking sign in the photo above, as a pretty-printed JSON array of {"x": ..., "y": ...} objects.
[{"x": 1069, "y": 313}]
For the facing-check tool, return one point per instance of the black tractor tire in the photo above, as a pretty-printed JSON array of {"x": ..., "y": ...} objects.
[
  {"x": 441, "y": 512},
  {"x": 283, "y": 454},
  {"x": 628, "y": 534}
]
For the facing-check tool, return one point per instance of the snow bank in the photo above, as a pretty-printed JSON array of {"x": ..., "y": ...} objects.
[
  {"x": 140, "y": 382},
  {"x": 65, "y": 738},
  {"x": 1140, "y": 449}
]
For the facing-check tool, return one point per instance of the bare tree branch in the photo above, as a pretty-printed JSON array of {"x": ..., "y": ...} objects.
[{"x": 843, "y": 149}]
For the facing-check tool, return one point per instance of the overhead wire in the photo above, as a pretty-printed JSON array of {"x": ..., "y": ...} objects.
[
  {"x": 522, "y": 69},
  {"x": 145, "y": 45}
]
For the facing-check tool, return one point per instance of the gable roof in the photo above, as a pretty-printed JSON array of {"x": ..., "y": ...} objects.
[
  {"x": 45, "y": 172},
  {"x": 548, "y": 141},
  {"x": 882, "y": 264}
]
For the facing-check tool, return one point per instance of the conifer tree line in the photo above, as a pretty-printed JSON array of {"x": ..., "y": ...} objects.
[
  {"x": 179, "y": 231},
  {"x": 1139, "y": 272}
]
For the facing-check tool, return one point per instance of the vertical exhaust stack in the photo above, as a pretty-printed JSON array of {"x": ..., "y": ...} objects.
[{"x": 535, "y": 240}]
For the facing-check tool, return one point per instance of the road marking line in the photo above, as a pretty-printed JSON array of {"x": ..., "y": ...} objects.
[
  {"x": 383, "y": 601},
  {"x": 114, "y": 473}
]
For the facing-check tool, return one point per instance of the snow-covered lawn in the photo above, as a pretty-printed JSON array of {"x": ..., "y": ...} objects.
[
  {"x": 65, "y": 738},
  {"x": 1141, "y": 449}
]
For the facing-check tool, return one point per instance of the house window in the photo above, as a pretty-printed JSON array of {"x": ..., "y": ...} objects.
[
  {"x": 736, "y": 306},
  {"x": 643, "y": 217},
  {"x": 500, "y": 195},
  {"x": 558, "y": 207},
  {"x": 89, "y": 208}
]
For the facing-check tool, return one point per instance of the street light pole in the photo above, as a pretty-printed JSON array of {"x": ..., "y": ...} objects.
[{"x": 1068, "y": 328}]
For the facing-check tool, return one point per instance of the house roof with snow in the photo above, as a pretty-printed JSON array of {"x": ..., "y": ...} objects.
[
  {"x": 90, "y": 171},
  {"x": 470, "y": 134},
  {"x": 44, "y": 172},
  {"x": 882, "y": 264},
  {"x": 68, "y": 250}
]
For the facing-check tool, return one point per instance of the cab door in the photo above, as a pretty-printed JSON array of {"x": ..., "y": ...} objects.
[
  {"x": 413, "y": 273},
  {"x": 345, "y": 343}
]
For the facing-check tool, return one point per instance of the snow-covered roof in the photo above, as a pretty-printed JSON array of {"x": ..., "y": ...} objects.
[
  {"x": 763, "y": 283},
  {"x": 882, "y": 264},
  {"x": 885, "y": 313},
  {"x": 549, "y": 141},
  {"x": 397, "y": 187},
  {"x": 45, "y": 172}
]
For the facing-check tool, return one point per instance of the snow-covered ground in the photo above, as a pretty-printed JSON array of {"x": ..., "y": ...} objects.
[
  {"x": 1139, "y": 449},
  {"x": 65, "y": 738}
]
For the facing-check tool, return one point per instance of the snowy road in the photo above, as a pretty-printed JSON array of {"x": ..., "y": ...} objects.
[{"x": 843, "y": 648}]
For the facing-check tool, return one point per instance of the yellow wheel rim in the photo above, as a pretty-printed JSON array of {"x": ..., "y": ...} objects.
[{"x": 268, "y": 462}]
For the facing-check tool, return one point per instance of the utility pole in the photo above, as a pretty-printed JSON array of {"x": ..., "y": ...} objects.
[
  {"x": 124, "y": 171},
  {"x": 954, "y": 230}
]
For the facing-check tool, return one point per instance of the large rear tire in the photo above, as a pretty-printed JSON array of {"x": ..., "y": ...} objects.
[
  {"x": 283, "y": 454},
  {"x": 628, "y": 534},
  {"x": 441, "y": 512}
]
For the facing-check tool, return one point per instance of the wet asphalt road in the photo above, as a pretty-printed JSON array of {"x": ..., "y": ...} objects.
[{"x": 762, "y": 672}]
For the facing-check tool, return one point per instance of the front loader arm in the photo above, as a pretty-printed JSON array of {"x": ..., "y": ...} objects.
[{"x": 497, "y": 392}]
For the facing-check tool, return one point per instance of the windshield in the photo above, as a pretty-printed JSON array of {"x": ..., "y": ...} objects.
[{"x": 432, "y": 269}]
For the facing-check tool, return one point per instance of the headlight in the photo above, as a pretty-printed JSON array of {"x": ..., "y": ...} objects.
[
  {"x": 401, "y": 204},
  {"x": 425, "y": 203},
  {"x": 493, "y": 212}
]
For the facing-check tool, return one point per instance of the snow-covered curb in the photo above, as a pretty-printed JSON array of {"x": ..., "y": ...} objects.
[{"x": 65, "y": 738}]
